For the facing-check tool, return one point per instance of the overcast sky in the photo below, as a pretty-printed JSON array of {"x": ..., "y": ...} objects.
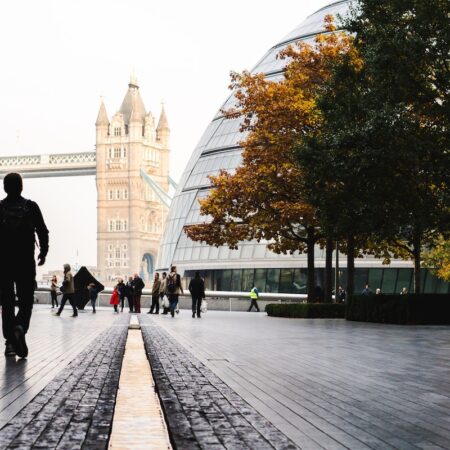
[{"x": 59, "y": 56}]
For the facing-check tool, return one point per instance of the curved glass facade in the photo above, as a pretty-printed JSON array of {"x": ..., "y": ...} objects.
[{"x": 226, "y": 269}]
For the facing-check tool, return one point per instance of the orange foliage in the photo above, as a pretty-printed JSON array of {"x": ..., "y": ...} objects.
[{"x": 263, "y": 198}]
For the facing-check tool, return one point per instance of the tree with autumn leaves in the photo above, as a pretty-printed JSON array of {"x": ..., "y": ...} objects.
[
  {"x": 265, "y": 198},
  {"x": 351, "y": 145}
]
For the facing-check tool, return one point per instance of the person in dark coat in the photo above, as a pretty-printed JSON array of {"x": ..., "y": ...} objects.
[
  {"x": 129, "y": 293},
  {"x": 20, "y": 221},
  {"x": 197, "y": 290},
  {"x": 138, "y": 284},
  {"x": 93, "y": 294},
  {"x": 121, "y": 290}
]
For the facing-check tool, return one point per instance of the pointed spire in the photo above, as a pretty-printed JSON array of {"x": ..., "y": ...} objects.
[
  {"x": 133, "y": 81},
  {"x": 163, "y": 124},
  {"x": 102, "y": 118},
  {"x": 135, "y": 116}
]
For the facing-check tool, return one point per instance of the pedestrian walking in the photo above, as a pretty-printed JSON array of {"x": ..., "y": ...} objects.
[
  {"x": 68, "y": 290},
  {"x": 20, "y": 221},
  {"x": 366, "y": 290},
  {"x": 341, "y": 295},
  {"x": 93, "y": 294},
  {"x": 114, "y": 300},
  {"x": 137, "y": 284},
  {"x": 197, "y": 290},
  {"x": 163, "y": 294},
  {"x": 254, "y": 295},
  {"x": 121, "y": 290},
  {"x": 174, "y": 289},
  {"x": 54, "y": 291},
  {"x": 129, "y": 293},
  {"x": 155, "y": 294}
]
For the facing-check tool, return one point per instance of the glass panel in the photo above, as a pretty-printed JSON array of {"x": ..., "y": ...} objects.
[
  {"x": 361, "y": 279},
  {"x": 273, "y": 279},
  {"x": 247, "y": 279},
  {"x": 260, "y": 279},
  {"x": 404, "y": 280},
  {"x": 300, "y": 279},
  {"x": 286, "y": 281},
  {"x": 375, "y": 278},
  {"x": 389, "y": 281},
  {"x": 430, "y": 284},
  {"x": 236, "y": 280},
  {"x": 224, "y": 280}
]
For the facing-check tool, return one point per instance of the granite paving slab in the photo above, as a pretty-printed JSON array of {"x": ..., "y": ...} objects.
[
  {"x": 75, "y": 409},
  {"x": 201, "y": 411}
]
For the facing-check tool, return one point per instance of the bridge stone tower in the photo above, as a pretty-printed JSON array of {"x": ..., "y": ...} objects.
[{"x": 130, "y": 216}]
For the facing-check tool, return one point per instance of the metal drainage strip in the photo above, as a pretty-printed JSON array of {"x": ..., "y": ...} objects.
[{"x": 138, "y": 419}]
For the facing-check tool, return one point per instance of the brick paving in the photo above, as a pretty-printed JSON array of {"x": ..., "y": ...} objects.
[
  {"x": 202, "y": 412},
  {"x": 75, "y": 409}
]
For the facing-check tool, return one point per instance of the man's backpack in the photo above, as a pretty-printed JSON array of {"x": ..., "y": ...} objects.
[
  {"x": 16, "y": 219},
  {"x": 172, "y": 283}
]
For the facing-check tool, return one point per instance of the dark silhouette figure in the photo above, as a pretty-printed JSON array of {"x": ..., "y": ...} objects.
[
  {"x": 197, "y": 290},
  {"x": 20, "y": 220}
]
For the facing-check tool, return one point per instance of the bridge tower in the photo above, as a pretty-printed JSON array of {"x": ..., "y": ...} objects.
[{"x": 130, "y": 216}]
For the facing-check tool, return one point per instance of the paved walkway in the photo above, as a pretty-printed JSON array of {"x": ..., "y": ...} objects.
[
  {"x": 53, "y": 343},
  {"x": 330, "y": 384},
  {"x": 315, "y": 384}
]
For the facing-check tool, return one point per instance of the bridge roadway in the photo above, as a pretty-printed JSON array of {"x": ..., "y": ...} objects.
[{"x": 231, "y": 379}]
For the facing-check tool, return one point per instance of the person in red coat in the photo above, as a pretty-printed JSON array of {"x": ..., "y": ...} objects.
[{"x": 114, "y": 300}]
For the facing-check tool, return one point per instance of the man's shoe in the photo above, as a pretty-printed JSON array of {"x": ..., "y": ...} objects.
[
  {"x": 74, "y": 315},
  {"x": 20, "y": 345},
  {"x": 9, "y": 350},
  {"x": 193, "y": 315}
]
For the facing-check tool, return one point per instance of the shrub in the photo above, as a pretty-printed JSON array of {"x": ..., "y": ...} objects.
[
  {"x": 425, "y": 309},
  {"x": 306, "y": 310}
]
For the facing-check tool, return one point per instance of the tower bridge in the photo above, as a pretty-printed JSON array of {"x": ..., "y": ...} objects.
[{"x": 131, "y": 166}]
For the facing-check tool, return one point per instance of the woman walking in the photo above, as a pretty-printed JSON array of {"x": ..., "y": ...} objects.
[{"x": 53, "y": 291}]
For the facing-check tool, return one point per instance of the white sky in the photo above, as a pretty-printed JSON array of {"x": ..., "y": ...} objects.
[{"x": 59, "y": 56}]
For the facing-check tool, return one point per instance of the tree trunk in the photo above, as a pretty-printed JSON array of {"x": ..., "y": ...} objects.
[
  {"x": 311, "y": 283},
  {"x": 329, "y": 269},
  {"x": 350, "y": 265},
  {"x": 417, "y": 257}
]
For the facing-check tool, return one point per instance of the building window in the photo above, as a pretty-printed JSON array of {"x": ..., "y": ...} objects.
[
  {"x": 117, "y": 253},
  {"x": 124, "y": 248},
  {"x": 117, "y": 263},
  {"x": 117, "y": 153},
  {"x": 110, "y": 194},
  {"x": 118, "y": 225},
  {"x": 124, "y": 152},
  {"x": 117, "y": 194},
  {"x": 125, "y": 194},
  {"x": 110, "y": 153},
  {"x": 117, "y": 131},
  {"x": 110, "y": 263},
  {"x": 110, "y": 247},
  {"x": 111, "y": 225},
  {"x": 125, "y": 225}
]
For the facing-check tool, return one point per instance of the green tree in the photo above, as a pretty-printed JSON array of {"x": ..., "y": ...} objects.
[{"x": 381, "y": 162}]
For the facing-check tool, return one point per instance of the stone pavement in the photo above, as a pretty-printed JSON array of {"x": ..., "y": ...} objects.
[
  {"x": 203, "y": 412},
  {"x": 329, "y": 384},
  {"x": 235, "y": 381},
  {"x": 75, "y": 409},
  {"x": 53, "y": 343}
]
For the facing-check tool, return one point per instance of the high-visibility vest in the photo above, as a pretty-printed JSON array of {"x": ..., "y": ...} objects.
[{"x": 253, "y": 294}]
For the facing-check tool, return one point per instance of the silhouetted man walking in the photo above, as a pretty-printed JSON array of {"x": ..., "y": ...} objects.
[{"x": 20, "y": 220}]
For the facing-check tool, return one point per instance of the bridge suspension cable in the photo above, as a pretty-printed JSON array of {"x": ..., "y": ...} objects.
[{"x": 165, "y": 198}]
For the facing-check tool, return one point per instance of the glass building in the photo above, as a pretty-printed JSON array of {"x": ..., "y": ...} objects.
[{"x": 235, "y": 270}]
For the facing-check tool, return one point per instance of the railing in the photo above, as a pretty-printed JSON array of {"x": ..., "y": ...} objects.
[{"x": 217, "y": 300}]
